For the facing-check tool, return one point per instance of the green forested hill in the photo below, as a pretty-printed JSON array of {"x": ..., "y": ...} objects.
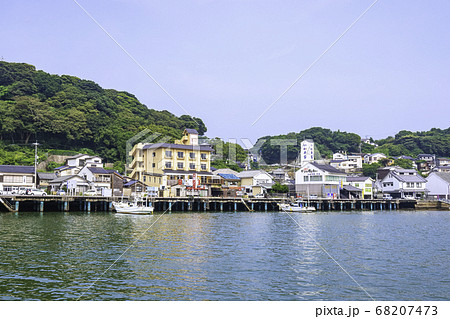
[
  {"x": 69, "y": 113},
  {"x": 436, "y": 141}
]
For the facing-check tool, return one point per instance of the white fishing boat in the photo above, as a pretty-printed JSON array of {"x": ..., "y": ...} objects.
[
  {"x": 298, "y": 206},
  {"x": 138, "y": 207}
]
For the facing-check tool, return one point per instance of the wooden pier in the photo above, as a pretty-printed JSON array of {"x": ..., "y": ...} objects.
[{"x": 27, "y": 203}]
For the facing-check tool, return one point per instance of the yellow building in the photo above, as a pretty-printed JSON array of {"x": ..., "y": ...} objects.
[{"x": 163, "y": 165}]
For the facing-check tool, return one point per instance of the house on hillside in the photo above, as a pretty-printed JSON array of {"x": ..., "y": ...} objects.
[
  {"x": 279, "y": 175},
  {"x": 75, "y": 163},
  {"x": 373, "y": 158}
]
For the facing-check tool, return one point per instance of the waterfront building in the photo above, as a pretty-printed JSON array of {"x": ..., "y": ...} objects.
[
  {"x": 71, "y": 184},
  {"x": 133, "y": 188},
  {"x": 106, "y": 182},
  {"x": 438, "y": 184},
  {"x": 306, "y": 151},
  {"x": 373, "y": 158},
  {"x": 255, "y": 182},
  {"x": 12, "y": 177},
  {"x": 166, "y": 165},
  {"x": 321, "y": 180},
  {"x": 403, "y": 183},
  {"x": 364, "y": 183},
  {"x": 44, "y": 178}
]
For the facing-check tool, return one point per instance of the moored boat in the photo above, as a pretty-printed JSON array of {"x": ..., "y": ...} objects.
[
  {"x": 297, "y": 207},
  {"x": 137, "y": 207}
]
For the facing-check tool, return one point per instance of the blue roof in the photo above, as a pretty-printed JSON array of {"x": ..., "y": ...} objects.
[{"x": 229, "y": 176}]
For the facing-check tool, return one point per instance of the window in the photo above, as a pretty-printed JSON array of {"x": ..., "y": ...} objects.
[
  {"x": 153, "y": 164},
  {"x": 203, "y": 156},
  {"x": 168, "y": 164},
  {"x": 203, "y": 167},
  {"x": 180, "y": 154},
  {"x": 305, "y": 178},
  {"x": 168, "y": 153},
  {"x": 192, "y": 166},
  {"x": 191, "y": 155},
  {"x": 144, "y": 178},
  {"x": 419, "y": 185},
  {"x": 316, "y": 178},
  {"x": 180, "y": 165},
  {"x": 409, "y": 185},
  {"x": 154, "y": 154}
]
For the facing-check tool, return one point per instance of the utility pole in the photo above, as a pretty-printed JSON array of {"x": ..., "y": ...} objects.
[{"x": 35, "y": 163}]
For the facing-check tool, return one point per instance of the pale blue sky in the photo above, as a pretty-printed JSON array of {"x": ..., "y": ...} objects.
[{"x": 226, "y": 61}]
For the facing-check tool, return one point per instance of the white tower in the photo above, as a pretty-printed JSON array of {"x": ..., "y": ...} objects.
[{"x": 307, "y": 152}]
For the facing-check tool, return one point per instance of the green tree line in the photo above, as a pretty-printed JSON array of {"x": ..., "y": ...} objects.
[{"x": 69, "y": 113}]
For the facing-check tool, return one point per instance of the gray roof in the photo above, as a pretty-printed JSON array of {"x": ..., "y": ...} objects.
[
  {"x": 78, "y": 155},
  {"x": 248, "y": 174},
  {"x": 328, "y": 168},
  {"x": 98, "y": 170},
  {"x": 445, "y": 176},
  {"x": 49, "y": 176},
  {"x": 278, "y": 171},
  {"x": 16, "y": 169},
  {"x": 357, "y": 178},
  {"x": 410, "y": 178},
  {"x": 191, "y": 131},
  {"x": 225, "y": 171},
  {"x": 351, "y": 188},
  {"x": 65, "y": 178},
  {"x": 179, "y": 146}
]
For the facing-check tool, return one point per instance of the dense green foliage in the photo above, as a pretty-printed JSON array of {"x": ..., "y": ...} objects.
[
  {"x": 404, "y": 163},
  {"x": 65, "y": 112},
  {"x": 370, "y": 170},
  {"x": 436, "y": 141},
  {"x": 279, "y": 188},
  {"x": 226, "y": 164},
  {"x": 326, "y": 142}
]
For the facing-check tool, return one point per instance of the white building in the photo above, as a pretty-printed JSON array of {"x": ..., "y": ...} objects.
[
  {"x": 306, "y": 151},
  {"x": 12, "y": 177},
  {"x": 373, "y": 158},
  {"x": 347, "y": 163},
  {"x": 75, "y": 163},
  {"x": 255, "y": 181},
  {"x": 438, "y": 184},
  {"x": 319, "y": 180},
  {"x": 404, "y": 183},
  {"x": 364, "y": 183}
]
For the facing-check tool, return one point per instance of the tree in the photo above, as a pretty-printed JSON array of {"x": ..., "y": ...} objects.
[
  {"x": 279, "y": 188},
  {"x": 370, "y": 170}
]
